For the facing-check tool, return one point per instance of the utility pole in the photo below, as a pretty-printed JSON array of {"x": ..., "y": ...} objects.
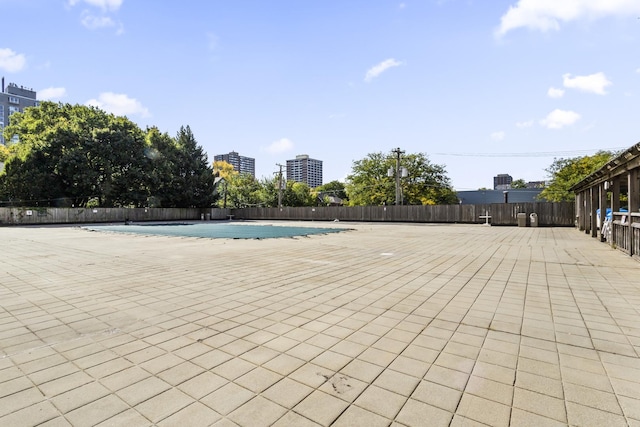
[
  {"x": 398, "y": 152},
  {"x": 280, "y": 185}
]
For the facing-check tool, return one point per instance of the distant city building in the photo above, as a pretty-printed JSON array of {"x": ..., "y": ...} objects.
[
  {"x": 14, "y": 99},
  {"x": 502, "y": 181},
  {"x": 242, "y": 164},
  {"x": 478, "y": 197},
  {"x": 305, "y": 169}
]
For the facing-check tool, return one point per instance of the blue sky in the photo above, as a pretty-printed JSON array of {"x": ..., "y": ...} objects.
[{"x": 482, "y": 87}]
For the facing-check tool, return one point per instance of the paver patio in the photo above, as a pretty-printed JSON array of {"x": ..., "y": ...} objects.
[{"x": 385, "y": 324}]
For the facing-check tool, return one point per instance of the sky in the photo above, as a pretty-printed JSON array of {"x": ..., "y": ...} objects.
[{"x": 482, "y": 87}]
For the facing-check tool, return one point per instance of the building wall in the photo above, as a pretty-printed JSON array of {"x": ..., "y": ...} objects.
[
  {"x": 305, "y": 169},
  {"x": 13, "y": 99},
  {"x": 240, "y": 163}
]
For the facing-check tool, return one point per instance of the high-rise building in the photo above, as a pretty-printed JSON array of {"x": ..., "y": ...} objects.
[
  {"x": 502, "y": 181},
  {"x": 14, "y": 99},
  {"x": 305, "y": 169},
  {"x": 240, "y": 163}
]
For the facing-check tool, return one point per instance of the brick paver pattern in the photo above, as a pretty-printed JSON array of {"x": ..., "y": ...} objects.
[{"x": 384, "y": 324}]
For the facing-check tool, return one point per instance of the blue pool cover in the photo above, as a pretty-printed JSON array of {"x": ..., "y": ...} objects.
[{"x": 215, "y": 230}]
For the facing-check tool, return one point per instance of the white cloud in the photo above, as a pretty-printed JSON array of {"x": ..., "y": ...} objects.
[
  {"x": 557, "y": 119},
  {"x": 380, "y": 68},
  {"x": 555, "y": 92},
  {"x": 11, "y": 61},
  {"x": 402, "y": 5},
  {"x": 52, "y": 93},
  {"x": 102, "y": 4},
  {"x": 525, "y": 124},
  {"x": 545, "y": 15},
  {"x": 212, "y": 41},
  {"x": 119, "y": 104},
  {"x": 498, "y": 136},
  {"x": 280, "y": 146},
  {"x": 93, "y": 22},
  {"x": 594, "y": 83},
  {"x": 638, "y": 70}
]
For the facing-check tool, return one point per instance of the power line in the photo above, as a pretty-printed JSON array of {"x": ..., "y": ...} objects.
[{"x": 533, "y": 154}]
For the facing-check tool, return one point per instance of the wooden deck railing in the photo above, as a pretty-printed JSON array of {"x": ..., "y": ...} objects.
[{"x": 625, "y": 232}]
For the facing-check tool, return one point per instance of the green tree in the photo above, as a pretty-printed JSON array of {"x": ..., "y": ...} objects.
[
  {"x": 243, "y": 190},
  {"x": 565, "y": 173},
  {"x": 519, "y": 183},
  {"x": 333, "y": 188},
  {"x": 75, "y": 153},
  {"x": 192, "y": 172},
  {"x": 426, "y": 183}
]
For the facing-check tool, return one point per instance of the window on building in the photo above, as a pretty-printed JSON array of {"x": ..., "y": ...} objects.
[{"x": 14, "y": 100}]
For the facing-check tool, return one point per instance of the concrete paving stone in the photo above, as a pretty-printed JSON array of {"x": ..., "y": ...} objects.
[
  {"x": 580, "y": 363},
  {"x": 293, "y": 419},
  {"x": 124, "y": 378},
  {"x": 528, "y": 419},
  {"x": 129, "y": 417},
  {"x": 378, "y": 357},
  {"x": 59, "y": 421},
  {"x": 142, "y": 390},
  {"x": 437, "y": 395},
  {"x": 540, "y": 384},
  {"x": 304, "y": 351},
  {"x": 354, "y": 416},
  {"x": 593, "y": 398},
  {"x": 362, "y": 370},
  {"x": 414, "y": 413},
  {"x": 595, "y": 381},
  {"x": 580, "y": 415},
  {"x": 630, "y": 407},
  {"x": 625, "y": 388},
  {"x": 64, "y": 384},
  {"x": 164, "y": 404},
  {"x": 460, "y": 421},
  {"x": 380, "y": 401},
  {"x": 583, "y": 352},
  {"x": 14, "y": 385},
  {"x": 212, "y": 359},
  {"x": 540, "y": 354},
  {"x": 389, "y": 344},
  {"x": 238, "y": 347},
  {"x": 227, "y": 398},
  {"x": 145, "y": 354},
  {"x": 79, "y": 396},
  {"x": 483, "y": 410},
  {"x": 549, "y": 370},
  {"x": 498, "y": 358},
  {"x": 447, "y": 377},
  {"x": 491, "y": 390},
  {"x": 621, "y": 360},
  {"x": 258, "y": 380},
  {"x": 257, "y": 412},
  {"x": 195, "y": 414},
  {"x": 323, "y": 340},
  {"x": 397, "y": 382},
  {"x": 455, "y": 362},
  {"x": 363, "y": 338},
  {"x": 331, "y": 360},
  {"x": 161, "y": 363},
  {"x": 30, "y": 416},
  {"x": 348, "y": 348},
  {"x": 343, "y": 387},
  {"x": 321, "y": 407},
  {"x": 540, "y": 404},
  {"x": 284, "y": 364},
  {"x": 96, "y": 411},
  {"x": 287, "y": 393},
  {"x": 42, "y": 363},
  {"x": 260, "y": 355}
]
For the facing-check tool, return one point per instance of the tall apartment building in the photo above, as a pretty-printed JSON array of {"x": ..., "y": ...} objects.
[
  {"x": 240, "y": 163},
  {"x": 14, "y": 99},
  {"x": 502, "y": 181},
  {"x": 305, "y": 169}
]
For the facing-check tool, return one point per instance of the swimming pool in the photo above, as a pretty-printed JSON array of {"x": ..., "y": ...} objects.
[{"x": 216, "y": 230}]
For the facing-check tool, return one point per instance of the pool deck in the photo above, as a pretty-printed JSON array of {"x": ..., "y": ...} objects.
[{"x": 387, "y": 324}]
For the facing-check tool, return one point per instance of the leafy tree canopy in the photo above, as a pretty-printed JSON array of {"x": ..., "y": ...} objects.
[
  {"x": 565, "y": 173},
  {"x": 519, "y": 183},
  {"x": 426, "y": 183},
  {"x": 74, "y": 154}
]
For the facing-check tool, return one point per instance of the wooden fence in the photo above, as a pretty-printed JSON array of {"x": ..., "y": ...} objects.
[
  {"x": 625, "y": 232},
  {"x": 548, "y": 214},
  {"x": 14, "y": 216}
]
